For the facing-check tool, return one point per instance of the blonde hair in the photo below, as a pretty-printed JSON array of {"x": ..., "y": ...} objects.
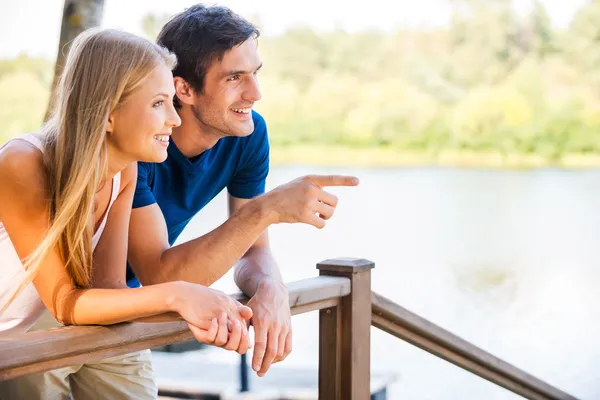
[{"x": 103, "y": 68}]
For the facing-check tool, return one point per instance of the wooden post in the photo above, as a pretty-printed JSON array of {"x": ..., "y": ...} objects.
[{"x": 345, "y": 334}]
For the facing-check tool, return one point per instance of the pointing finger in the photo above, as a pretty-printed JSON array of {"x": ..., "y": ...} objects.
[{"x": 333, "y": 180}]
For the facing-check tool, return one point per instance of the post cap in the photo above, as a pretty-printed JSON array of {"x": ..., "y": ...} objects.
[{"x": 346, "y": 264}]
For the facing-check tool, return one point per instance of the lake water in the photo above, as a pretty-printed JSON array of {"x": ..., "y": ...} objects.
[{"x": 508, "y": 260}]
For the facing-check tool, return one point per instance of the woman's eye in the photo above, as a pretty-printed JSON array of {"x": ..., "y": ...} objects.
[{"x": 158, "y": 103}]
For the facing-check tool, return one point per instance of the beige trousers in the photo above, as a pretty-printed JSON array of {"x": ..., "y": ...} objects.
[{"x": 129, "y": 376}]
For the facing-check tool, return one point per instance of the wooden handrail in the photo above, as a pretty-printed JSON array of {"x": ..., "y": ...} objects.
[
  {"x": 398, "y": 321},
  {"x": 347, "y": 307},
  {"x": 40, "y": 351}
]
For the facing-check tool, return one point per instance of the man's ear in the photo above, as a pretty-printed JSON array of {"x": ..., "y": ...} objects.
[{"x": 183, "y": 90}]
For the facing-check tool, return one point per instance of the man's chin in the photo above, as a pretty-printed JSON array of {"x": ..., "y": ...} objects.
[{"x": 243, "y": 130}]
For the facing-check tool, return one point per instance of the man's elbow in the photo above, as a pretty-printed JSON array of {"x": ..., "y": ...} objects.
[
  {"x": 152, "y": 274},
  {"x": 148, "y": 270},
  {"x": 148, "y": 278}
]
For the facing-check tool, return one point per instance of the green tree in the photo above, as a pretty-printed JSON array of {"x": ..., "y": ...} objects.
[
  {"x": 541, "y": 27},
  {"x": 23, "y": 99},
  {"x": 152, "y": 24},
  {"x": 582, "y": 42}
]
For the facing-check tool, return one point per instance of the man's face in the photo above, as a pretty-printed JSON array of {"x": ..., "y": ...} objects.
[{"x": 231, "y": 88}]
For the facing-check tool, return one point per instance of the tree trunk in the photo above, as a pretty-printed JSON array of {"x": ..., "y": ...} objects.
[{"x": 78, "y": 15}]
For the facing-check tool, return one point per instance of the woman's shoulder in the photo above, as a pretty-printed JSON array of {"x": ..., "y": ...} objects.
[{"x": 21, "y": 162}]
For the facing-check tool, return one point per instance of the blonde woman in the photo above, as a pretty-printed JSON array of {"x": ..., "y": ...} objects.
[{"x": 65, "y": 201}]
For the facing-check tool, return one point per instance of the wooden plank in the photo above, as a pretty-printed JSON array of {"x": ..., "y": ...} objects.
[
  {"x": 319, "y": 305},
  {"x": 330, "y": 329},
  {"x": 96, "y": 355},
  {"x": 311, "y": 290},
  {"x": 355, "y": 331},
  {"x": 40, "y": 351},
  {"x": 454, "y": 358},
  {"x": 356, "y": 339},
  {"x": 436, "y": 340}
]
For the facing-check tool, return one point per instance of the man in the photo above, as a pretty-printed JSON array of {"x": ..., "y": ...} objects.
[{"x": 221, "y": 143}]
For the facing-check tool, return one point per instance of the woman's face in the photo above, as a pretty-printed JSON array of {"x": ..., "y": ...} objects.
[{"x": 141, "y": 127}]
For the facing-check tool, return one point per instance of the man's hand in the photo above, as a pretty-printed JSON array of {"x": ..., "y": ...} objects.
[
  {"x": 304, "y": 200},
  {"x": 272, "y": 325}
]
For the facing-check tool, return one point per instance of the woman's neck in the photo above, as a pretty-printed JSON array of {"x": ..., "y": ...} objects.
[{"x": 115, "y": 163}]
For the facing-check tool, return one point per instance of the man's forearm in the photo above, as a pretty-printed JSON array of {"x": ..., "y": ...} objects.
[
  {"x": 256, "y": 267},
  {"x": 206, "y": 259},
  {"x": 258, "y": 276}
]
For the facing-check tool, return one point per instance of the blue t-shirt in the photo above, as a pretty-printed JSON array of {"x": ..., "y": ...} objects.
[{"x": 182, "y": 187}]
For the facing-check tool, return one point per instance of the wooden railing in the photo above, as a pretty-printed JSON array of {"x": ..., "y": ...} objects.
[
  {"x": 403, "y": 324},
  {"x": 347, "y": 309}
]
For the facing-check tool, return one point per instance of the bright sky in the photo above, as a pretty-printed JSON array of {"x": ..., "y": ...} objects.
[{"x": 33, "y": 26}]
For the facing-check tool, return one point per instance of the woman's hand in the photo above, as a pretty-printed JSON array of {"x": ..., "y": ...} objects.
[{"x": 212, "y": 316}]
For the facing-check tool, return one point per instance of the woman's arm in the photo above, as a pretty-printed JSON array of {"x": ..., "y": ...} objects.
[
  {"x": 24, "y": 213},
  {"x": 110, "y": 255}
]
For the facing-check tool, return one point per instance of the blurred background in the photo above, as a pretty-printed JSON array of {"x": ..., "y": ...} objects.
[
  {"x": 477, "y": 82},
  {"x": 474, "y": 126}
]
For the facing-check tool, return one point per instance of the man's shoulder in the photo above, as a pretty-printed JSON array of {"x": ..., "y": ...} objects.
[{"x": 259, "y": 122}]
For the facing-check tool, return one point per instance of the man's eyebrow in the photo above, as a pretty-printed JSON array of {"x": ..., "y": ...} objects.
[{"x": 241, "y": 71}]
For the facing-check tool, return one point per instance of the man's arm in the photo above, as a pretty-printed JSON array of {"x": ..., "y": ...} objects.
[
  {"x": 202, "y": 260},
  {"x": 207, "y": 258},
  {"x": 242, "y": 237},
  {"x": 258, "y": 276}
]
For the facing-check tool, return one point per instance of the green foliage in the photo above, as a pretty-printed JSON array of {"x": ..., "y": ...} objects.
[
  {"x": 23, "y": 99},
  {"x": 490, "y": 82},
  {"x": 152, "y": 24}
]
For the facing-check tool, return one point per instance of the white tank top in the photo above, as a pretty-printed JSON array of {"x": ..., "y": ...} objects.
[{"x": 27, "y": 306}]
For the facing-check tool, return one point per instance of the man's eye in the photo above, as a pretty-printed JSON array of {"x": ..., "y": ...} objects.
[
  {"x": 233, "y": 78},
  {"x": 158, "y": 103}
]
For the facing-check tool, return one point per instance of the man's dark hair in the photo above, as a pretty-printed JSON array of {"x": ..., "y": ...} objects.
[{"x": 199, "y": 35}]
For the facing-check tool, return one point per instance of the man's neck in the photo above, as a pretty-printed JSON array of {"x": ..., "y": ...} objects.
[{"x": 193, "y": 139}]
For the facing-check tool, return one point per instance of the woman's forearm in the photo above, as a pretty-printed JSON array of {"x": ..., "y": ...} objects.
[{"x": 111, "y": 306}]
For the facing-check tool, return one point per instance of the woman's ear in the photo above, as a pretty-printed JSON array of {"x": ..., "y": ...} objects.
[
  {"x": 183, "y": 90},
  {"x": 110, "y": 124}
]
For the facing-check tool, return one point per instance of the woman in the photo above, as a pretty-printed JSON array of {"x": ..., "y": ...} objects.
[{"x": 66, "y": 194}]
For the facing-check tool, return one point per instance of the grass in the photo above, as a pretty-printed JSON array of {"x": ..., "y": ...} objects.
[{"x": 391, "y": 157}]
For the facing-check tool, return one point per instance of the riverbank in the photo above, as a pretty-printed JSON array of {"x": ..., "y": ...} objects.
[{"x": 391, "y": 157}]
